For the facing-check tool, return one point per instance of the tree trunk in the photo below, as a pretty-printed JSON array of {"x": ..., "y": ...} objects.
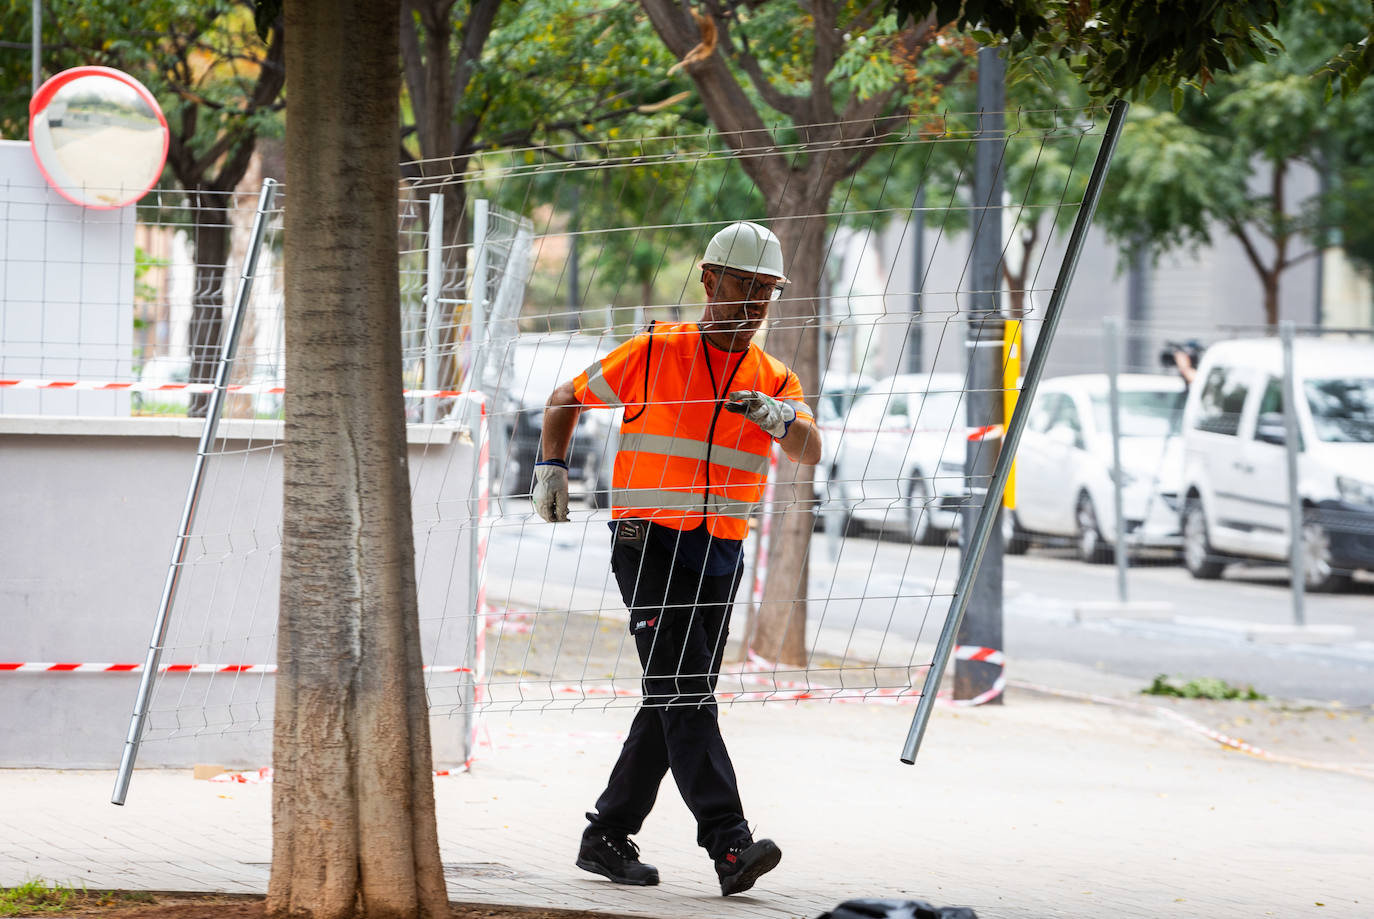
[
  {"x": 210, "y": 234},
  {"x": 455, "y": 318},
  {"x": 353, "y": 803},
  {"x": 1270, "y": 280},
  {"x": 780, "y": 634}
]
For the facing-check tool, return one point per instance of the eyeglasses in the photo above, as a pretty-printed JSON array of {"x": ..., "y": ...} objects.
[{"x": 752, "y": 287}]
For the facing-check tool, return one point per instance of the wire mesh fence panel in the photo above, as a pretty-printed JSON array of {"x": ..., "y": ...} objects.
[
  {"x": 222, "y": 626},
  {"x": 580, "y": 271},
  {"x": 111, "y": 313},
  {"x": 855, "y": 555}
]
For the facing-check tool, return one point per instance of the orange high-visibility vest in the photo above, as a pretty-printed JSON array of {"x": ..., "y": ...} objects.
[{"x": 683, "y": 459}]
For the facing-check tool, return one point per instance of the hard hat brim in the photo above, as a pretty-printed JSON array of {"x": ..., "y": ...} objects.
[{"x": 756, "y": 269}]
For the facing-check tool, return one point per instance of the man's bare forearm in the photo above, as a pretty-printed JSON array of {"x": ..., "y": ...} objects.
[
  {"x": 802, "y": 443},
  {"x": 560, "y": 420}
]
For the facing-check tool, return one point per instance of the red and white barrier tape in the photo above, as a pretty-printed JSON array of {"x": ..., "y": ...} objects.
[
  {"x": 987, "y": 656},
  {"x": 245, "y": 389},
  {"x": 100, "y": 667},
  {"x": 986, "y": 432}
]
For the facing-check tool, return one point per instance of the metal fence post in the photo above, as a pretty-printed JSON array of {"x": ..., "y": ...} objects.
[
  {"x": 987, "y": 518},
  {"x": 188, "y": 513},
  {"x": 1111, "y": 329},
  {"x": 434, "y": 285},
  {"x": 36, "y": 50},
  {"x": 1297, "y": 568},
  {"x": 480, "y": 285}
]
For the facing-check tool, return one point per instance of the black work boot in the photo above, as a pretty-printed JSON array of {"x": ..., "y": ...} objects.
[
  {"x": 614, "y": 857},
  {"x": 743, "y": 864}
]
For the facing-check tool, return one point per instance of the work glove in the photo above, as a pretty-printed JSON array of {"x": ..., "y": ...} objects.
[
  {"x": 765, "y": 411},
  {"x": 551, "y": 490}
]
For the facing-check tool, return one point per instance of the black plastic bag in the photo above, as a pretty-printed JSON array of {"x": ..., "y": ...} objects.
[{"x": 897, "y": 909}]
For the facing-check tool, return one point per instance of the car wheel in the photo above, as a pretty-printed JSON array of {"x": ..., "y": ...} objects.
[
  {"x": 1320, "y": 573},
  {"x": 919, "y": 529},
  {"x": 1015, "y": 541},
  {"x": 1198, "y": 556},
  {"x": 1089, "y": 542}
]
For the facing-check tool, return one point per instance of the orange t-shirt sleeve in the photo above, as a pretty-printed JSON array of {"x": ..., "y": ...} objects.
[
  {"x": 792, "y": 393},
  {"x": 616, "y": 379}
]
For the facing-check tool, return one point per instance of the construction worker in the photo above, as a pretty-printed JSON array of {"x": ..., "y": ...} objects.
[{"x": 703, "y": 406}]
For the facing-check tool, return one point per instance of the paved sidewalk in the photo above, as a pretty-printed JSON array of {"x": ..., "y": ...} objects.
[{"x": 1041, "y": 808}]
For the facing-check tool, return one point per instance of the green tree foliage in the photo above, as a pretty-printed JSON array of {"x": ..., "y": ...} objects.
[
  {"x": 544, "y": 86},
  {"x": 1119, "y": 47},
  {"x": 1227, "y": 159},
  {"x": 1349, "y": 67}
]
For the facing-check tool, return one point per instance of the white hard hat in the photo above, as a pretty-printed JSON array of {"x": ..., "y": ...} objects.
[{"x": 745, "y": 247}]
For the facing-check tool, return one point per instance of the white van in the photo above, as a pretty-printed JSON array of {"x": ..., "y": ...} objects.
[{"x": 1235, "y": 461}]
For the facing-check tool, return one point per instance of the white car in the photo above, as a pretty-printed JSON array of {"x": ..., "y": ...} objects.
[
  {"x": 1063, "y": 469},
  {"x": 1236, "y": 481},
  {"x": 896, "y": 459}
]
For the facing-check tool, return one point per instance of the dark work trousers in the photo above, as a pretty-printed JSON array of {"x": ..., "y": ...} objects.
[{"x": 675, "y": 728}]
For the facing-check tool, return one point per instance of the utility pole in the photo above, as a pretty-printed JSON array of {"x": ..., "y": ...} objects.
[
  {"x": 37, "y": 42},
  {"x": 915, "y": 359},
  {"x": 1138, "y": 350},
  {"x": 574, "y": 280},
  {"x": 982, "y": 625}
]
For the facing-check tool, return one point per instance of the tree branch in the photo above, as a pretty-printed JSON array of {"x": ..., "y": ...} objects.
[
  {"x": 825, "y": 29},
  {"x": 476, "y": 29},
  {"x": 791, "y": 106},
  {"x": 1238, "y": 231},
  {"x": 730, "y": 108},
  {"x": 1310, "y": 253},
  {"x": 411, "y": 61},
  {"x": 864, "y": 19}
]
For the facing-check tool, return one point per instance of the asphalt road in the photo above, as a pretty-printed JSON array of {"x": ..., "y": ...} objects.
[{"x": 885, "y": 584}]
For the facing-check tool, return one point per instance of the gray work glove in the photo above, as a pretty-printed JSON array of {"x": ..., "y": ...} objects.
[
  {"x": 551, "y": 490},
  {"x": 762, "y": 409}
]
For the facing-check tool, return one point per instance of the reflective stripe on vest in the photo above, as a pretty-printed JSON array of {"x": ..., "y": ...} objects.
[
  {"x": 687, "y": 503},
  {"x": 596, "y": 382},
  {"x": 688, "y": 448}
]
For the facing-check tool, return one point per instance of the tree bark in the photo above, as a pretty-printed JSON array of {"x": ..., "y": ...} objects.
[
  {"x": 1270, "y": 280},
  {"x": 353, "y": 802},
  {"x": 793, "y": 338}
]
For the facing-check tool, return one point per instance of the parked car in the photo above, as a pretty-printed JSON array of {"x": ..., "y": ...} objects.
[
  {"x": 533, "y": 366},
  {"x": 1236, "y": 484},
  {"x": 896, "y": 458},
  {"x": 838, "y": 392},
  {"x": 1064, "y": 483}
]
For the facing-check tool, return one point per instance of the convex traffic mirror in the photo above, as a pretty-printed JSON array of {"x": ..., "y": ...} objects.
[{"x": 98, "y": 135}]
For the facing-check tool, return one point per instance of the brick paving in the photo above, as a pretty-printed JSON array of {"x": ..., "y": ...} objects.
[{"x": 1038, "y": 809}]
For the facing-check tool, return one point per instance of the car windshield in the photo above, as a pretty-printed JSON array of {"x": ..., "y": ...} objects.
[
  {"x": 1144, "y": 413},
  {"x": 1342, "y": 409}
]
